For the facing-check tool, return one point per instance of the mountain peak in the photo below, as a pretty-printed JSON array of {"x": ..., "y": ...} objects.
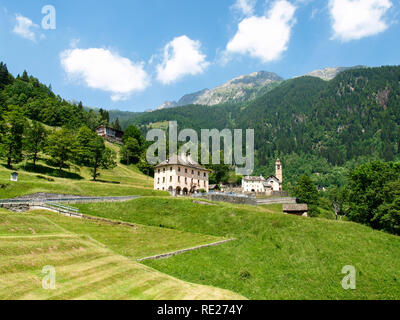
[
  {"x": 242, "y": 88},
  {"x": 328, "y": 74},
  {"x": 259, "y": 78}
]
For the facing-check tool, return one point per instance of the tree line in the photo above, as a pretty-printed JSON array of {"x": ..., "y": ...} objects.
[
  {"x": 38, "y": 102},
  {"x": 27, "y": 139},
  {"x": 370, "y": 196},
  {"x": 26, "y": 104}
]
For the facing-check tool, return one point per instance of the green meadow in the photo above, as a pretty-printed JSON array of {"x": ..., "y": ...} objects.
[
  {"x": 275, "y": 256},
  {"x": 91, "y": 260}
]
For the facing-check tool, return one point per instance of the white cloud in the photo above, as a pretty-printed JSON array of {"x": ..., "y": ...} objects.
[
  {"x": 245, "y": 6},
  {"x": 102, "y": 69},
  {"x": 182, "y": 56},
  {"x": 24, "y": 26},
  {"x": 356, "y": 19},
  {"x": 265, "y": 37}
]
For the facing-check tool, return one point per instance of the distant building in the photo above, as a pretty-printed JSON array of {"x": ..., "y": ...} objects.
[
  {"x": 110, "y": 134},
  {"x": 181, "y": 175},
  {"x": 296, "y": 209},
  {"x": 263, "y": 185}
]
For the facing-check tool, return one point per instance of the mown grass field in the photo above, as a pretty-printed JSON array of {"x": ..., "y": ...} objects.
[
  {"x": 275, "y": 256},
  {"x": 119, "y": 181},
  {"x": 92, "y": 260}
]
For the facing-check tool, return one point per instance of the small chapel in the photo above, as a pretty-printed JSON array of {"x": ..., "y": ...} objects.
[{"x": 265, "y": 186}]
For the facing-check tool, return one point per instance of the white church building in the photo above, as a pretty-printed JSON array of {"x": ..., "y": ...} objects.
[{"x": 263, "y": 185}]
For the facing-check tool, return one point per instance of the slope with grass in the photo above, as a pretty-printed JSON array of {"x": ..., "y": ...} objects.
[
  {"x": 89, "y": 261},
  {"x": 119, "y": 181},
  {"x": 275, "y": 256}
]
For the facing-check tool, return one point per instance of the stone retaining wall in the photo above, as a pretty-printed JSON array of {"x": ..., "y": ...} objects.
[{"x": 231, "y": 199}]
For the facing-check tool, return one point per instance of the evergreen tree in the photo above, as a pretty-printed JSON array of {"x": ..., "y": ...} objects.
[
  {"x": 104, "y": 117},
  {"x": 25, "y": 76},
  {"x": 117, "y": 126},
  {"x": 5, "y": 77}
]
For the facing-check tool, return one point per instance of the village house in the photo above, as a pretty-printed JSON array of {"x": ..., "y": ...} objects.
[
  {"x": 110, "y": 134},
  {"x": 265, "y": 186},
  {"x": 181, "y": 175}
]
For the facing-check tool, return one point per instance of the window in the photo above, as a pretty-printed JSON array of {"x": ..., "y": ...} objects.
[
  {"x": 198, "y": 173},
  {"x": 179, "y": 169},
  {"x": 158, "y": 181},
  {"x": 163, "y": 180},
  {"x": 170, "y": 179},
  {"x": 179, "y": 179},
  {"x": 164, "y": 170},
  {"x": 159, "y": 170},
  {"x": 170, "y": 169},
  {"x": 185, "y": 170},
  {"x": 192, "y": 171},
  {"x": 205, "y": 175},
  {"x": 185, "y": 180}
]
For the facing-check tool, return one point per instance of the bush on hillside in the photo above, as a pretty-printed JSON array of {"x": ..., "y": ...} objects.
[{"x": 372, "y": 196}]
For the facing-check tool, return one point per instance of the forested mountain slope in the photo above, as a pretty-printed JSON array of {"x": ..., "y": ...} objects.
[
  {"x": 38, "y": 102},
  {"x": 355, "y": 115}
]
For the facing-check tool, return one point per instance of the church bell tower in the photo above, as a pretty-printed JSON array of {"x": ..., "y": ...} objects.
[{"x": 278, "y": 171}]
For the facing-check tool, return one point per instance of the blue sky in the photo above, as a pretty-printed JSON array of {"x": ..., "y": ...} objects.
[{"x": 134, "y": 55}]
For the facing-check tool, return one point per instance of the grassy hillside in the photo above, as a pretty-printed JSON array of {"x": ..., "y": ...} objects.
[
  {"x": 87, "y": 260},
  {"x": 139, "y": 242},
  {"x": 122, "y": 180},
  {"x": 275, "y": 256}
]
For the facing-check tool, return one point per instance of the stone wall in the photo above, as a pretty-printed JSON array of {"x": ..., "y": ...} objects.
[
  {"x": 239, "y": 190},
  {"x": 231, "y": 199},
  {"x": 282, "y": 194},
  {"x": 15, "y": 207}
]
